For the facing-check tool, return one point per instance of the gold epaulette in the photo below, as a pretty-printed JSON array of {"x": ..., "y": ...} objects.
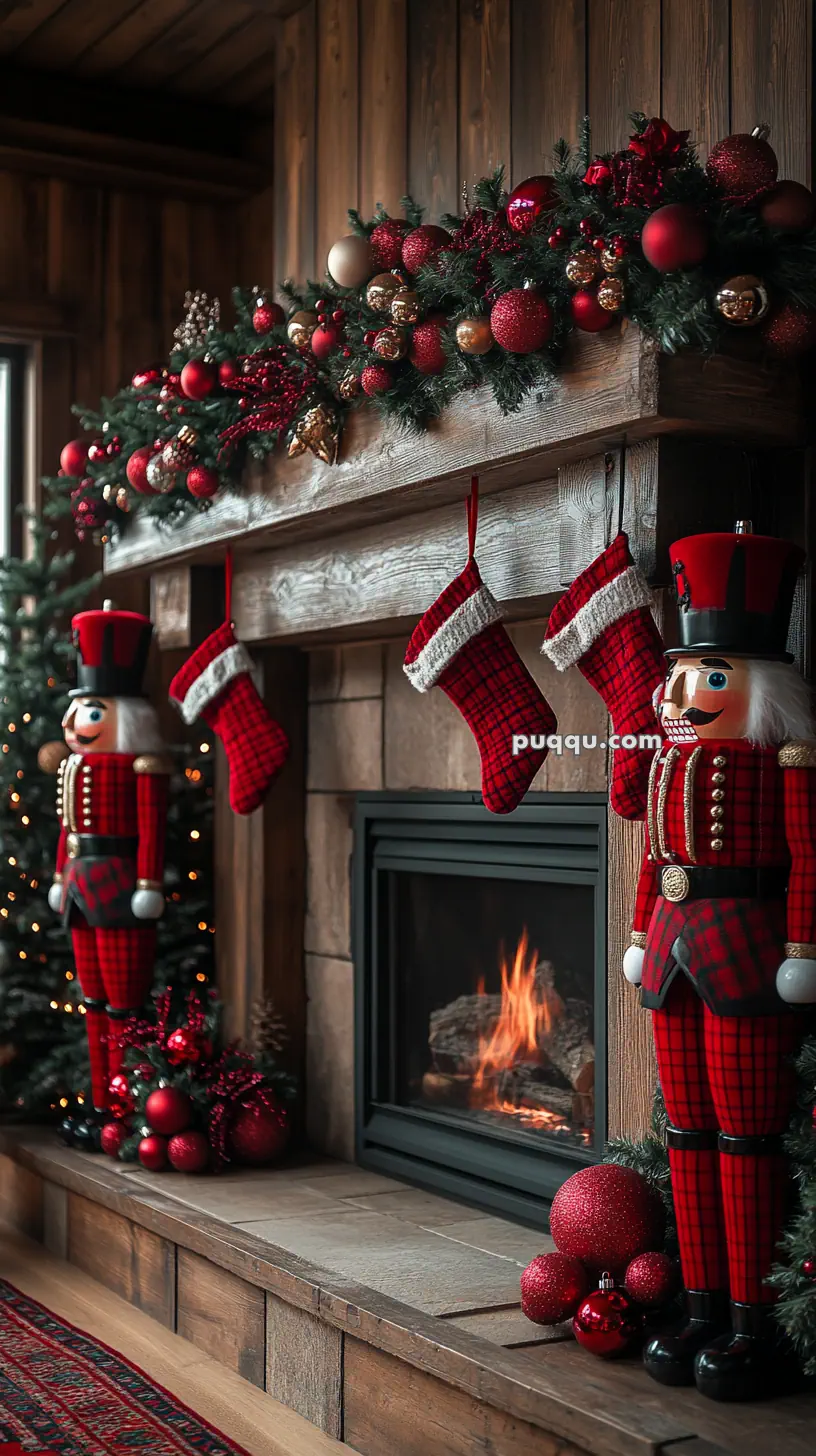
[
  {"x": 801, "y": 754},
  {"x": 152, "y": 763}
]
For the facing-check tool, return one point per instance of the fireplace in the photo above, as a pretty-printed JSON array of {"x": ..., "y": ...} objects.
[{"x": 480, "y": 1003}]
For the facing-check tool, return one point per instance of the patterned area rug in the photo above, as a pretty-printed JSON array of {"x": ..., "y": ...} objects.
[{"x": 63, "y": 1392}]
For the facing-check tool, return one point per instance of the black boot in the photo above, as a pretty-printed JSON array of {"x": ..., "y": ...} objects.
[
  {"x": 752, "y": 1362},
  {"x": 669, "y": 1357}
]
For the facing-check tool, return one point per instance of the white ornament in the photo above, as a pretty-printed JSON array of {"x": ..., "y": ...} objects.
[
  {"x": 633, "y": 964},
  {"x": 796, "y": 982}
]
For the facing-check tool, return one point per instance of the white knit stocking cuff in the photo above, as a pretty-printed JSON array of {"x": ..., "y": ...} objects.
[
  {"x": 476, "y": 612},
  {"x": 625, "y": 593},
  {"x": 213, "y": 679}
]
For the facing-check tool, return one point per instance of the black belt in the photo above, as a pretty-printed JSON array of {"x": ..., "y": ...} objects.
[
  {"x": 721, "y": 882},
  {"x": 101, "y": 846}
]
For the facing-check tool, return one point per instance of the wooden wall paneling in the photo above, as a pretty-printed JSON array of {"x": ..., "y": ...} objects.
[
  {"x": 201, "y": 27},
  {"x": 133, "y": 313},
  {"x": 21, "y": 1198},
  {"x": 304, "y": 1364},
  {"x": 55, "y": 1220},
  {"x": 128, "y": 35},
  {"x": 176, "y": 265},
  {"x": 623, "y": 67},
  {"x": 136, "y": 1264},
  {"x": 484, "y": 87},
  {"x": 56, "y": 41},
  {"x": 433, "y": 161},
  {"x": 631, "y": 1071},
  {"x": 221, "y": 1314},
  {"x": 77, "y": 240},
  {"x": 337, "y": 107},
  {"x": 694, "y": 68},
  {"x": 23, "y": 255},
  {"x": 214, "y": 254},
  {"x": 257, "y": 263},
  {"x": 548, "y": 80},
  {"x": 383, "y": 105},
  {"x": 295, "y": 145},
  {"x": 771, "y": 77}
]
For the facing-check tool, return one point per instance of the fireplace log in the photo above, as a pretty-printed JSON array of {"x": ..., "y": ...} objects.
[
  {"x": 450, "y": 1089},
  {"x": 457, "y": 1029},
  {"x": 567, "y": 1042},
  {"x": 526, "y": 1085}
]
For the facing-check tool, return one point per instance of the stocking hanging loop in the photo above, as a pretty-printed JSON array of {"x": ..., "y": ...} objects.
[{"x": 472, "y": 510}]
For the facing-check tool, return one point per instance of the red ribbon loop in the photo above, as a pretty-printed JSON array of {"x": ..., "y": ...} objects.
[{"x": 472, "y": 509}]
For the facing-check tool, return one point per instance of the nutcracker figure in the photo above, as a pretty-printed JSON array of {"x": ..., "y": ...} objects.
[
  {"x": 112, "y": 806},
  {"x": 723, "y": 943}
]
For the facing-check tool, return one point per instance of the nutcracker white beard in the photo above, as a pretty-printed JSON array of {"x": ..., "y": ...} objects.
[
  {"x": 137, "y": 727},
  {"x": 780, "y": 706}
]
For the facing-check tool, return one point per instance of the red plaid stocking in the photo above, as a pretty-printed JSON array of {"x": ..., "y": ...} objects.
[
  {"x": 215, "y": 684},
  {"x": 460, "y": 645},
  {"x": 603, "y": 625}
]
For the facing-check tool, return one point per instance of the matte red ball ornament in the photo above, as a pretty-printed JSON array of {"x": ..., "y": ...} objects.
[
  {"x": 111, "y": 1138},
  {"x": 386, "y": 243},
  {"x": 809, "y": 1267},
  {"x": 375, "y": 378},
  {"x": 153, "y": 1153},
  {"x": 674, "y": 237},
  {"x": 258, "y": 1133},
  {"x": 188, "y": 1152},
  {"x": 184, "y": 1046},
  {"x": 604, "y": 1215},
  {"x": 788, "y": 208},
  {"x": 552, "y": 1287},
  {"x": 168, "y": 1110},
  {"x": 147, "y": 378},
  {"x": 136, "y": 470},
  {"x": 422, "y": 245},
  {"x": 267, "y": 316},
  {"x": 521, "y": 321},
  {"x": 228, "y": 372},
  {"x": 198, "y": 378},
  {"x": 120, "y": 1098},
  {"x": 202, "y": 482},
  {"x": 790, "y": 331},
  {"x": 426, "y": 352},
  {"x": 587, "y": 313},
  {"x": 606, "y": 1322},
  {"x": 530, "y": 201},
  {"x": 73, "y": 457},
  {"x": 324, "y": 340},
  {"x": 743, "y": 165},
  {"x": 651, "y": 1279}
]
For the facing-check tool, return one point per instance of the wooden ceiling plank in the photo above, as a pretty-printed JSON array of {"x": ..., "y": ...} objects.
[
  {"x": 253, "y": 88},
  {"x": 66, "y": 34},
  {"x": 224, "y": 61},
  {"x": 191, "y": 36},
  {"x": 130, "y": 35},
  {"x": 20, "y": 18}
]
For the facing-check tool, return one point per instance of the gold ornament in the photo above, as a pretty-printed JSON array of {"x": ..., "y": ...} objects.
[
  {"x": 405, "y": 307},
  {"x": 474, "y": 336},
  {"x": 742, "y": 301},
  {"x": 610, "y": 262},
  {"x": 122, "y": 500},
  {"x": 610, "y": 295},
  {"x": 319, "y": 431},
  {"x": 583, "y": 267},
  {"x": 349, "y": 261},
  {"x": 159, "y": 474},
  {"x": 391, "y": 343},
  {"x": 382, "y": 290},
  {"x": 300, "y": 328},
  {"x": 349, "y": 386}
]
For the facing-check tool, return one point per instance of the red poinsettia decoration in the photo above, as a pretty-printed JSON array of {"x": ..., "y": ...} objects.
[
  {"x": 659, "y": 142},
  {"x": 637, "y": 175}
]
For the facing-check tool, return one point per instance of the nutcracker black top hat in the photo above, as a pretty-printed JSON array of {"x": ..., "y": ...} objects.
[
  {"x": 112, "y": 652},
  {"x": 735, "y": 593}
]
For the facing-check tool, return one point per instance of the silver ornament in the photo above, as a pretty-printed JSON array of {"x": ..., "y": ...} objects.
[{"x": 160, "y": 475}]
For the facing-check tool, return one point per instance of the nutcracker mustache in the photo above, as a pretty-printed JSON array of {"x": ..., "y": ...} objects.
[{"x": 697, "y": 715}]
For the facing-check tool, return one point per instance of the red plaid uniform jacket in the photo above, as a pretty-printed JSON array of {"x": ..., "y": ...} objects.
[
  {"x": 117, "y": 794},
  {"x": 728, "y": 804}
]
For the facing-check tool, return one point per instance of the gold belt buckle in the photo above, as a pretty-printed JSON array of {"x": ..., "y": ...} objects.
[
  {"x": 72, "y": 845},
  {"x": 675, "y": 883}
]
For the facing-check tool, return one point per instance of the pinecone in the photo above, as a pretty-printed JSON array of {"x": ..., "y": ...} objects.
[{"x": 267, "y": 1028}]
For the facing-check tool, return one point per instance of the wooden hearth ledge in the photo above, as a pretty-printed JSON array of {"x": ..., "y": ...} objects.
[
  {"x": 423, "y": 1356},
  {"x": 360, "y": 548}
]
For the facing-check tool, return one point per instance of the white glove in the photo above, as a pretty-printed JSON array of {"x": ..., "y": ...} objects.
[
  {"x": 147, "y": 904},
  {"x": 633, "y": 964},
  {"x": 796, "y": 982},
  {"x": 55, "y": 897}
]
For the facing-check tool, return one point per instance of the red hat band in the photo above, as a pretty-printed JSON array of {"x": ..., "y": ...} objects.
[
  {"x": 735, "y": 593},
  {"x": 112, "y": 652}
]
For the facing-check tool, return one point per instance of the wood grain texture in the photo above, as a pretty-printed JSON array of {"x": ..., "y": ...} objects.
[
  {"x": 337, "y": 103},
  {"x": 694, "y": 61},
  {"x": 584, "y": 513},
  {"x": 771, "y": 77},
  {"x": 137, "y": 1264},
  {"x": 304, "y": 1365},
  {"x": 548, "y": 80},
  {"x": 171, "y": 605},
  {"x": 55, "y": 1220},
  {"x": 433, "y": 159},
  {"x": 383, "y": 104},
  {"x": 630, "y": 1050},
  {"x": 21, "y": 1198},
  {"x": 623, "y": 67},
  {"x": 221, "y": 1314},
  {"x": 484, "y": 87},
  {"x": 295, "y": 145}
]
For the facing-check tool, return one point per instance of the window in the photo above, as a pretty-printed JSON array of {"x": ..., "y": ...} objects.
[{"x": 12, "y": 370}]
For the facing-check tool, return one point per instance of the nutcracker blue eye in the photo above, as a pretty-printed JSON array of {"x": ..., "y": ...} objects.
[
  {"x": 96, "y": 717},
  {"x": 717, "y": 680}
]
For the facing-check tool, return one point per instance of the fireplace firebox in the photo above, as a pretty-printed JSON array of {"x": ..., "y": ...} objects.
[{"x": 480, "y": 993}]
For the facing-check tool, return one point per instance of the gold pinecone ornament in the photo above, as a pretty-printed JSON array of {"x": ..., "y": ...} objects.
[
  {"x": 317, "y": 430},
  {"x": 267, "y": 1028},
  {"x": 300, "y": 328}
]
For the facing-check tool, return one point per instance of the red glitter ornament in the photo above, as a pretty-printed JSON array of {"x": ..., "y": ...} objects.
[
  {"x": 604, "y": 1215},
  {"x": 111, "y": 1138},
  {"x": 587, "y": 313},
  {"x": 183, "y": 1046},
  {"x": 521, "y": 321},
  {"x": 324, "y": 340},
  {"x": 743, "y": 165},
  {"x": 120, "y": 1098},
  {"x": 675, "y": 236},
  {"x": 188, "y": 1152},
  {"x": 529, "y": 202},
  {"x": 422, "y": 245},
  {"x": 552, "y": 1287},
  {"x": 267, "y": 316},
  {"x": 651, "y": 1279},
  {"x": 386, "y": 244},
  {"x": 202, "y": 482},
  {"x": 73, "y": 457},
  {"x": 153, "y": 1153},
  {"x": 788, "y": 208},
  {"x": 259, "y": 1131},
  {"x": 375, "y": 378},
  {"x": 426, "y": 352},
  {"x": 227, "y": 372},
  {"x": 136, "y": 470},
  {"x": 168, "y": 1110},
  {"x": 198, "y": 378},
  {"x": 605, "y": 1322},
  {"x": 146, "y": 378},
  {"x": 790, "y": 331}
]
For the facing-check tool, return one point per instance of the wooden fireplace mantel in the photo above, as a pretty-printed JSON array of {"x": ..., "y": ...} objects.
[{"x": 364, "y": 545}]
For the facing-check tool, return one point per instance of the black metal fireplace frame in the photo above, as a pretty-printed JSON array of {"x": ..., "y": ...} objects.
[{"x": 558, "y": 838}]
